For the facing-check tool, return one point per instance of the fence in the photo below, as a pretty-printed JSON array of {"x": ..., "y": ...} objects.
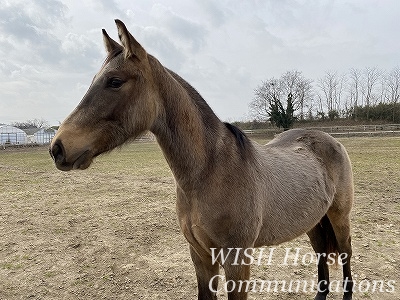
[
  {"x": 339, "y": 131},
  {"x": 362, "y": 130}
]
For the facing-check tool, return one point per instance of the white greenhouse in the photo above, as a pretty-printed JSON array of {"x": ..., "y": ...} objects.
[
  {"x": 44, "y": 136},
  {"x": 10, "y": 135}
]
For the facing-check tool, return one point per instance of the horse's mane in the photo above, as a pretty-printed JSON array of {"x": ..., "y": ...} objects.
[{"x": 241, "y": 138}]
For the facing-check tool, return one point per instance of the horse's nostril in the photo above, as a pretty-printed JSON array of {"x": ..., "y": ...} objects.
[{"x": 57, "y": 152}]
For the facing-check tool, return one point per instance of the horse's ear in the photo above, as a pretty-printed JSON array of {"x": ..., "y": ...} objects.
[
  {"x": 131, "y": 46},
  {"x": 109, "y": 43}
]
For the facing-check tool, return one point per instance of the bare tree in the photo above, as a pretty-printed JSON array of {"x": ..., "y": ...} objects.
[
  {"x": 295, "y": 84},
  {"x": 331, "y": 87},
  {"x": 370, "y": 80},
  {"x": 284, "y": 96},
  {"x": 355, "y": 90},
  {"x": 266, "y": 93},
  {"x": 35, "y": 123},
  {"x": 392, "y": 89}
]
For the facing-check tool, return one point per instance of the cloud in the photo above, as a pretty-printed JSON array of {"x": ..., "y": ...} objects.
[
  {"x": 50, "y": 49},
  {"x": 79, "y": 52},
  {"x": 24, "y": 20},
  {"x": 110, "y": 7},
  {"x": 188, "y": 31},
  {"x": 37, "y": 58},
  {"x": 32, "y": 34},
  {"x": 160, "y": 45},
  {"x": 213, "y": 12},
  {"x": 27, "y": 30}
]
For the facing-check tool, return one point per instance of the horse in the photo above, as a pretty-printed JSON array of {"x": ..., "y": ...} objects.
[{"x": 231, "y": 192}]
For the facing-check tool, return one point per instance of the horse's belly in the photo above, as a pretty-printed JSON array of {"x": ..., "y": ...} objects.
[
  {"x": 295, "y": 206},
  {"x": 291, "y": 219}
]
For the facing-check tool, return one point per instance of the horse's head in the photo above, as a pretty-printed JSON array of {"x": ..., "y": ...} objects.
[{"x": 121, "y": 103}]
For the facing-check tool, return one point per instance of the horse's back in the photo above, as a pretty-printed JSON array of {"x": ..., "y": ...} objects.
[
  {"x": 324, "y": 147},
  {"x": 310, "y": 138}
]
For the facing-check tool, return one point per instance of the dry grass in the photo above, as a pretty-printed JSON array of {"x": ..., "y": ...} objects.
[{"x": 110, "y": 232}]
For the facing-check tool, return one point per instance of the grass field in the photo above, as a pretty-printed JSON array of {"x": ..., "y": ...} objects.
[{"x": 110, "y": 232}]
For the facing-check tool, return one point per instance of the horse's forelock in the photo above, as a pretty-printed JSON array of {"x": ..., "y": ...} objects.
[{"x": 112, "y": 54}]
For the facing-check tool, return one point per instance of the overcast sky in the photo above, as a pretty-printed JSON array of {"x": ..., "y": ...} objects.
[{"x": 50, "y": 50}]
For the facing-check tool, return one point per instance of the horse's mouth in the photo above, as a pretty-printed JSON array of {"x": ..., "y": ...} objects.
[{"x": 82, "y": 161}]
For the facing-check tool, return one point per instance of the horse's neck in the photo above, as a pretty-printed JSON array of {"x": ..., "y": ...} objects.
[{"x": 187, "y": 130}]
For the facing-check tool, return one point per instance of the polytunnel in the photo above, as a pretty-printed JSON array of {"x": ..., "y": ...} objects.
[{"x": 10, "y": 135}]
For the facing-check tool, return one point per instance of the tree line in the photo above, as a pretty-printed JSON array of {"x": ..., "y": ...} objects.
[
  {"x": 35, "y": 123},
  {"x": 360, "y": 94}
]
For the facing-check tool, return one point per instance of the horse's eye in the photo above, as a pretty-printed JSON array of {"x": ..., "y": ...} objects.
[{"x": 115, "y": 83}]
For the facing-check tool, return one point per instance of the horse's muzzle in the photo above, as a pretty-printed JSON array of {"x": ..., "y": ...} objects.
[
  {"x": 80, "y": 160},
  {"x": 57, "y": 153}
]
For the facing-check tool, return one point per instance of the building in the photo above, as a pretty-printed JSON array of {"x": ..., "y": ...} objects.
[
  {"x": 44, "y": 135},
  {"x": 10, "y": 135}
]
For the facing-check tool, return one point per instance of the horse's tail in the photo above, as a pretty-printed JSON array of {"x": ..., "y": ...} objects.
[{"x": 332, "y": 249}]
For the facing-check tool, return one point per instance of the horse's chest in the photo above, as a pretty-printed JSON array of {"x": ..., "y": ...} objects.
[{"x": 217, "y": 222}]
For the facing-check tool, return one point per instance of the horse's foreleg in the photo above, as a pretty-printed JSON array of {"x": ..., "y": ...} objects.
[
  {"x": 205, "y": 271},
  {"x": 237, "y": 274}
]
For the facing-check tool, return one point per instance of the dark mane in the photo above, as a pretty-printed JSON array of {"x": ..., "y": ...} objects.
[{"x": 242, "y": 140}]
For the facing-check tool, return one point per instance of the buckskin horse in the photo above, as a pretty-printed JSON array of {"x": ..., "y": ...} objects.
[{"x": 231, "y": 191}]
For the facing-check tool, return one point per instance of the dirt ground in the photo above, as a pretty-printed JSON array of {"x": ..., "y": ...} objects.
[{"x": 110, "y": 232}]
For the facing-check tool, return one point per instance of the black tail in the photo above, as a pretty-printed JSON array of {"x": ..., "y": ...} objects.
[{"x": 330, "y": 238}]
